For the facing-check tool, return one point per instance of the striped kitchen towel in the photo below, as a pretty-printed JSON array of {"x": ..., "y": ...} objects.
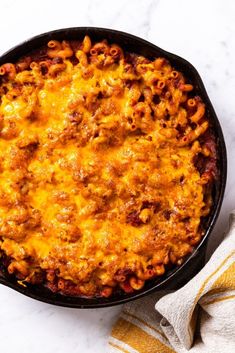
[{"x": 198, "y": 318}]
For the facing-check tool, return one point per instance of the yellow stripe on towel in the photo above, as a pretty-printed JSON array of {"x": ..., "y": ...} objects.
[
  {"x": 144, "y": 323},
  {"x": 227, "y": 279},
  {"x": 118, "y": 347},
  {"x": 209, "y": 277},
  {"x": 216, "y": 300},
  {"x": 223, "y": 285},
  {"x": 135, "y": 337},
  {"x": 200, "y": 292}
]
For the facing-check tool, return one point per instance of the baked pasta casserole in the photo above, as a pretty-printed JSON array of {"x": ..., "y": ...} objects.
[{"x": 107, "y": 163}]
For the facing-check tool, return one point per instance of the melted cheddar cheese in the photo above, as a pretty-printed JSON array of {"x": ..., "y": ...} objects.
[{"x": 99, "y": 185}]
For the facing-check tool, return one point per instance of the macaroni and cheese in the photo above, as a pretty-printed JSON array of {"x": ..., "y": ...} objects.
[{"x": 107, "y": 162}]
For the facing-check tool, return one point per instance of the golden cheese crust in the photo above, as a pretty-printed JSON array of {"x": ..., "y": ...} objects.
[{"x": 106, "y": 164}]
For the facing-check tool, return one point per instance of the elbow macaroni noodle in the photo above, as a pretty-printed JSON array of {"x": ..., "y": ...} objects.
[{"x": 107, "y": 160}]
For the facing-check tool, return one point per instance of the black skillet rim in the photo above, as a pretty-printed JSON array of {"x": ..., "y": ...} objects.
[{"x": 144, "y": 47}]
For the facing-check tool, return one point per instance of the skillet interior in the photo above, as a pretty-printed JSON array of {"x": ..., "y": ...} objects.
[{"x": 180, "y": 275}]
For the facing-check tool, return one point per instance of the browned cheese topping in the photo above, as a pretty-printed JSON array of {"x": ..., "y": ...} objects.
[{"x": 106, "y": 167}]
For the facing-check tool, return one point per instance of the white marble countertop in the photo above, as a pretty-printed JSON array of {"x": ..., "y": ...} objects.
[{"x": 201, "y": 31}]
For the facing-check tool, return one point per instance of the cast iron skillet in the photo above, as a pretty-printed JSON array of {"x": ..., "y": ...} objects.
[{"x": 178, "y": 276}]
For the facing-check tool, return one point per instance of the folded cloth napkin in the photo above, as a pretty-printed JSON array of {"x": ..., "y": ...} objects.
[{"x": 198, "y": 318}]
